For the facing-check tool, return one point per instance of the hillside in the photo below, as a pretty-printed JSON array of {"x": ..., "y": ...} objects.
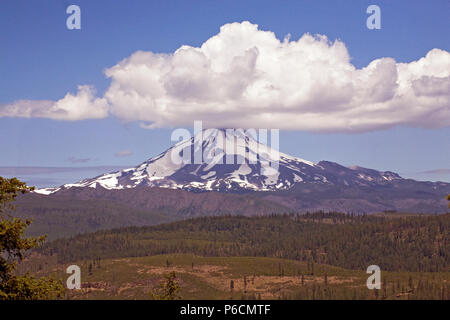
[
  {"x": 289, "y": 256},
  {"x": 251, "y": 278},
  {"x": 82, "y": 210},
  {"x": 394, "y": 242}
]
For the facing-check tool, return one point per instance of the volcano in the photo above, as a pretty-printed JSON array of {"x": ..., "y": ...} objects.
[
  {"x": 231, "y": 161},
  {"x": 218, "y": 163}
]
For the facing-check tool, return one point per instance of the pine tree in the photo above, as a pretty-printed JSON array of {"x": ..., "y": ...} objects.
[
  {"x": 168, "y": 289},
  {"x": 231, "y": 288},
  {"x": 411, "y": 284},
  {"x": 245, "y": 284},
  {"x": 13, "y": 248}
]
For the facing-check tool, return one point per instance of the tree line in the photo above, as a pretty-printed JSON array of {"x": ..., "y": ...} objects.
[{"x": 394, "y": 242}]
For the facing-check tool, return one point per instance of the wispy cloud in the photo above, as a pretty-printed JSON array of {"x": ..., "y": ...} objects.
[
  {"x": 42, "y": 177},
  {"x": 19, "y": 171},
  {"x": 123, "y": 153},
  {"x": 436, "y": 171},
  {"x": 78, "y": 160}
]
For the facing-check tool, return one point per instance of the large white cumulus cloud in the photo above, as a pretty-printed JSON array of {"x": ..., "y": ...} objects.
[{"x": 246, "y": 77}]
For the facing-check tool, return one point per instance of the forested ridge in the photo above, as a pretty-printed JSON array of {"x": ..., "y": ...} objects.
[{"x": 394, "y": 242}]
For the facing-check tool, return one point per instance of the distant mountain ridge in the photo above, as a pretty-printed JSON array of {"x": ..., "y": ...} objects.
[{"x": 246, "y": 166}]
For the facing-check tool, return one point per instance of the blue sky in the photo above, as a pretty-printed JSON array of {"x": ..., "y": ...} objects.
[{"x": 41, "y": 60}]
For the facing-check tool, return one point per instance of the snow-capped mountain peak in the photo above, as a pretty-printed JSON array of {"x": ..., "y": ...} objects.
[{"x": 229, "y": 160}]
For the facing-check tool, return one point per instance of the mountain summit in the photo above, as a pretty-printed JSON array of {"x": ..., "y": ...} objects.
[{"x": 230, "y": 161}]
